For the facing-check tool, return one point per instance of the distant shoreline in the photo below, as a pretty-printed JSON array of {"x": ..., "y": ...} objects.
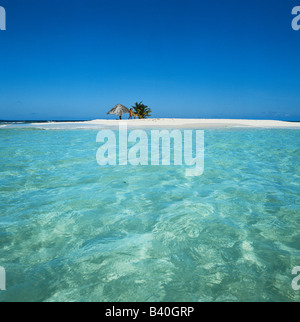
[
  {"x": 171, "y": 123},
  {"x": 194, "y": 123},
  {"x": 85, "y": 120}
]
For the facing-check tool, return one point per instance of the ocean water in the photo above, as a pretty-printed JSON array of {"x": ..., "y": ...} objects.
[{"x": 71, "y": 230}]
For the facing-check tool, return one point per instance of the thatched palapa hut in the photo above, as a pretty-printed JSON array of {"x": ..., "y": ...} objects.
[{"x": 119, "y": 110}]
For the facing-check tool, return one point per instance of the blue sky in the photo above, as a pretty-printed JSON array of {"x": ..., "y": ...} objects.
[{"x": 75, "y": 59}]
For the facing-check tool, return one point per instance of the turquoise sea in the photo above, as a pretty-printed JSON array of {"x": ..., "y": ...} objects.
[{"x": 71, "y": 230}]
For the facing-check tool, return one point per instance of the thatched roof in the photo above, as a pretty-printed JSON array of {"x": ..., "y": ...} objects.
[{"x": 119, "y": 109}]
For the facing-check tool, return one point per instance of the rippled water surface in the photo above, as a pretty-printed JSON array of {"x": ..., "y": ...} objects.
[{"x": 71, "y": 230}]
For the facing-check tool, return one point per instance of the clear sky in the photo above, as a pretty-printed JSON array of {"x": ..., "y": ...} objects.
[{"x": 76, "y": 59}]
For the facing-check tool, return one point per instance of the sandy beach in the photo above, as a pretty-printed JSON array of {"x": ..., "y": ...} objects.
[{"x": 197, "y": 123}]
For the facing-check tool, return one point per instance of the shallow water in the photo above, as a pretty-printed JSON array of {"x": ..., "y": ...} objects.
[{"x": 71, "y": 230}]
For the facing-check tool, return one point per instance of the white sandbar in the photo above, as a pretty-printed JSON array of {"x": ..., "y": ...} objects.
[{"x": 198, "y": 123}]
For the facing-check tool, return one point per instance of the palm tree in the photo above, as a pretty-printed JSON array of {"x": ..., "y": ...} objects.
[{"x": 141, "y": 110}]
